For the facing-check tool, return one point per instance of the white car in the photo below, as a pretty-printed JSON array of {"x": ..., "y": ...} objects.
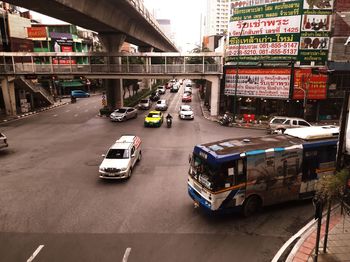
[
  {"x": 121, "y": 158},
  {"x": 161, "y": 90},
  {"x": 185, "y": 112},
  {"x": 3, "y": 141},
  {"x": 162, "y": 105}
]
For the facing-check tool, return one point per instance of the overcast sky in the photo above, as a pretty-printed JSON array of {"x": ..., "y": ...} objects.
[{"x": 185, "y": 18}]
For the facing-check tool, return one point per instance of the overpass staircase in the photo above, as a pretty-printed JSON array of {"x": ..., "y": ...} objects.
[{"x": 35, "y": 88}]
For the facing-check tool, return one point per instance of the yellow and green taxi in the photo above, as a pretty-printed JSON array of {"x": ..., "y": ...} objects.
[{"x": 154, "y": 118}]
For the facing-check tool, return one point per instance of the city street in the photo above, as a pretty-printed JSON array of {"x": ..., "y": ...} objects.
[{"x": 51, "y": 195}]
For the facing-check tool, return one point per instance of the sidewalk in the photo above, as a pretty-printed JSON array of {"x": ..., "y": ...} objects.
[
  {"x": 206, "y": 114},
  {"x": 338, "y": 244},
  {"x": 6, "y": 118}
]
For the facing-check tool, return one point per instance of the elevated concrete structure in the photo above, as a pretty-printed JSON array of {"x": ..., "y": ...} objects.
[
  {"x": 107, "y": 17},
  {"x": 115, "y": 21},
  {"x": 114, "y": 67}
]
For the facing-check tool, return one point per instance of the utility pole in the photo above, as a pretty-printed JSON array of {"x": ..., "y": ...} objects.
[{"x": 237, "y": 66}]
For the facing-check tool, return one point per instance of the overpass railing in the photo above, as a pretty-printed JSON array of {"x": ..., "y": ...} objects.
[{"x": 103, "y": 63}]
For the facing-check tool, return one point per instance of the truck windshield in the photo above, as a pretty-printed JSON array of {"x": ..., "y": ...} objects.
[{"x": 117, "y": 154}]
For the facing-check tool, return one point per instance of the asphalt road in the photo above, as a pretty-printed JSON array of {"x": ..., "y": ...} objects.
[{"x": 51, "y": 196}]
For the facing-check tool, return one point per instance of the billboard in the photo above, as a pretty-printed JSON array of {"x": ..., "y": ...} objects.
[
  {"x": 37, "y": 32},
  {"x": 267, "y": 82},
  {"x": 280, "y": 30},
  {"x": 315, "y": 85},
  {"x": 315, "y": 31}
]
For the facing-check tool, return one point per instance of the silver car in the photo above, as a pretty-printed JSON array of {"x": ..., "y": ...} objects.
[
  {"x": 123, "y": 113},
  {"x": 279, "y": 124},
  {"x": 145, "y": 104},
  {"x": 162, "y": 105}
]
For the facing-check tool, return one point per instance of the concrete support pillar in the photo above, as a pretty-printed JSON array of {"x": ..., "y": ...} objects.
[
  {"x": 112, "y": 43},
  {"x": 8, "y": 92},
  {"x": 215, "y": 94}
]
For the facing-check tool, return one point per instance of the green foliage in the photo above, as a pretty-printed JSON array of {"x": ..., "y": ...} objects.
[
  {"x": 198, "y": 60},
  {"x": 134, "y": 100},
  {"x": 332, "y": 186}
]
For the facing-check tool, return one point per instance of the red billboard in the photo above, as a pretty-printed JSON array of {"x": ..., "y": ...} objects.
[
  {"x": 315, "y": 85},
  {"x": 36, "y": 32}
]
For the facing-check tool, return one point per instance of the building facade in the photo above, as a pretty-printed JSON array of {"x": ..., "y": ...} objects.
[
  {"x": 283, "y": 57},
  {"x": 217, "y": 17}
]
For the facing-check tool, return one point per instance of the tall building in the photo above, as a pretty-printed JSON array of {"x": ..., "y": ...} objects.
[
  {"x": 217, "y": 17},
  {"x": 165, "y": 25}
]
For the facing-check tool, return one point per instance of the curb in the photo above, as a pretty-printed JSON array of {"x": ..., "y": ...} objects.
[
  {"x": 17, "y": 117},
  {"x": 301, "y": 236}
]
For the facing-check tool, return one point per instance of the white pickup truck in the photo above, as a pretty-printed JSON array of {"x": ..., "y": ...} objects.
[
  {"x": 3, "y": 140},
  {"x": 121, "y": 158}
]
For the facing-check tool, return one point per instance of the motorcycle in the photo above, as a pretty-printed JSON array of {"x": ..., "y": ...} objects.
[
  {"x": 168, "y": 122},
  {"x": 226, "y": 120}
]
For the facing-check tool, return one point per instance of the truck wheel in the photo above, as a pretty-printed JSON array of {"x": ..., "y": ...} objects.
[
  {"x": 140, "y": 157},
  {"x": 251, "y": 206},
  {"x": 280, "y": 130},
  {"x": 129, "y": 173}
]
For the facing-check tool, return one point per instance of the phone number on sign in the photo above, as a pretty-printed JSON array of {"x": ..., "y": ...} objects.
[{"x": 266, "y": 49}]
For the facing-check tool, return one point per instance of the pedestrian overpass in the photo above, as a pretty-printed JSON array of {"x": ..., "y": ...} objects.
[{"x": 112, "y": 67}]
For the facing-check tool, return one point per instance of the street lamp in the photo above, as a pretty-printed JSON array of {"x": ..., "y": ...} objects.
[{"x": 237, "y": 65}]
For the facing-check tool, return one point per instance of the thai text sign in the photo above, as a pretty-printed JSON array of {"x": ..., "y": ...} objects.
[
  {"x": 314, "y": 85},
  {"x": 269, "y": 83},
  {"x": 276, "y": 25},
  {"x": 37, "y": 32},
  {"x": 305, "y": 24}
]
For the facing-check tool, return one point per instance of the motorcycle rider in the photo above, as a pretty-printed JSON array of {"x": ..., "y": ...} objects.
[{"x": 169, "y": 119}]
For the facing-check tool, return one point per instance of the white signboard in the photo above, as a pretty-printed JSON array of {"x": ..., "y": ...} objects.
[
  {"x": 268, "y": 83},
  {"x": 266, "y": 26}
]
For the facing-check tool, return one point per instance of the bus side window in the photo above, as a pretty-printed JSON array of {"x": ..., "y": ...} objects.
[{"x": 240, "y": 172}]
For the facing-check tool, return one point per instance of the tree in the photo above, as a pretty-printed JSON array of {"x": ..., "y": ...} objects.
[
  {"x": 332, "y": 187},
  {"x": 198, "y": 60}
]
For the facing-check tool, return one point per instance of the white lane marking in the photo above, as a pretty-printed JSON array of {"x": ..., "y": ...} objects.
[
  {"x": 126, "y": 254},
  {"x": 55, "y": 115},
  {"x": 67, "y": 111},
  {"x": 36, "y": 252},
  {"x": 86, "y": 110},
  {"x": 76, "y": 115},
  {"x": 78, "y": 107}
]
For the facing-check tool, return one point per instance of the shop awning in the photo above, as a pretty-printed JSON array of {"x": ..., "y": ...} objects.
[{"x": 71, "y": 84}]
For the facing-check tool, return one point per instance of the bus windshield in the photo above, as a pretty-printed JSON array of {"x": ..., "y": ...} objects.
[{"x": 212, "y": 177}]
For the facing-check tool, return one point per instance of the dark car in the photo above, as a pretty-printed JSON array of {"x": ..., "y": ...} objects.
[
  {"x": 154, "y": 96},
  {"x": 79, "y": 94}
]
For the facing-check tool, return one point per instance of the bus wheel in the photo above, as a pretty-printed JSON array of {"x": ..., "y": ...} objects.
[{"x": 251, "y": 206}]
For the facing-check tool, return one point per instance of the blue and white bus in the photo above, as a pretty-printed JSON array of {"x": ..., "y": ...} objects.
[{"x": 258, "y": 171}]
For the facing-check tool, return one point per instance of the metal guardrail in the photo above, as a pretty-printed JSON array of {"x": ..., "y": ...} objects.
[{"x": 102, "y": 63}]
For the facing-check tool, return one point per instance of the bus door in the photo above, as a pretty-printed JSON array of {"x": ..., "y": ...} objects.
[
  {"x": 279, "y": 175},
  {"x": 288, "y": 176},
  {"x": 309, "y": 175}
]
